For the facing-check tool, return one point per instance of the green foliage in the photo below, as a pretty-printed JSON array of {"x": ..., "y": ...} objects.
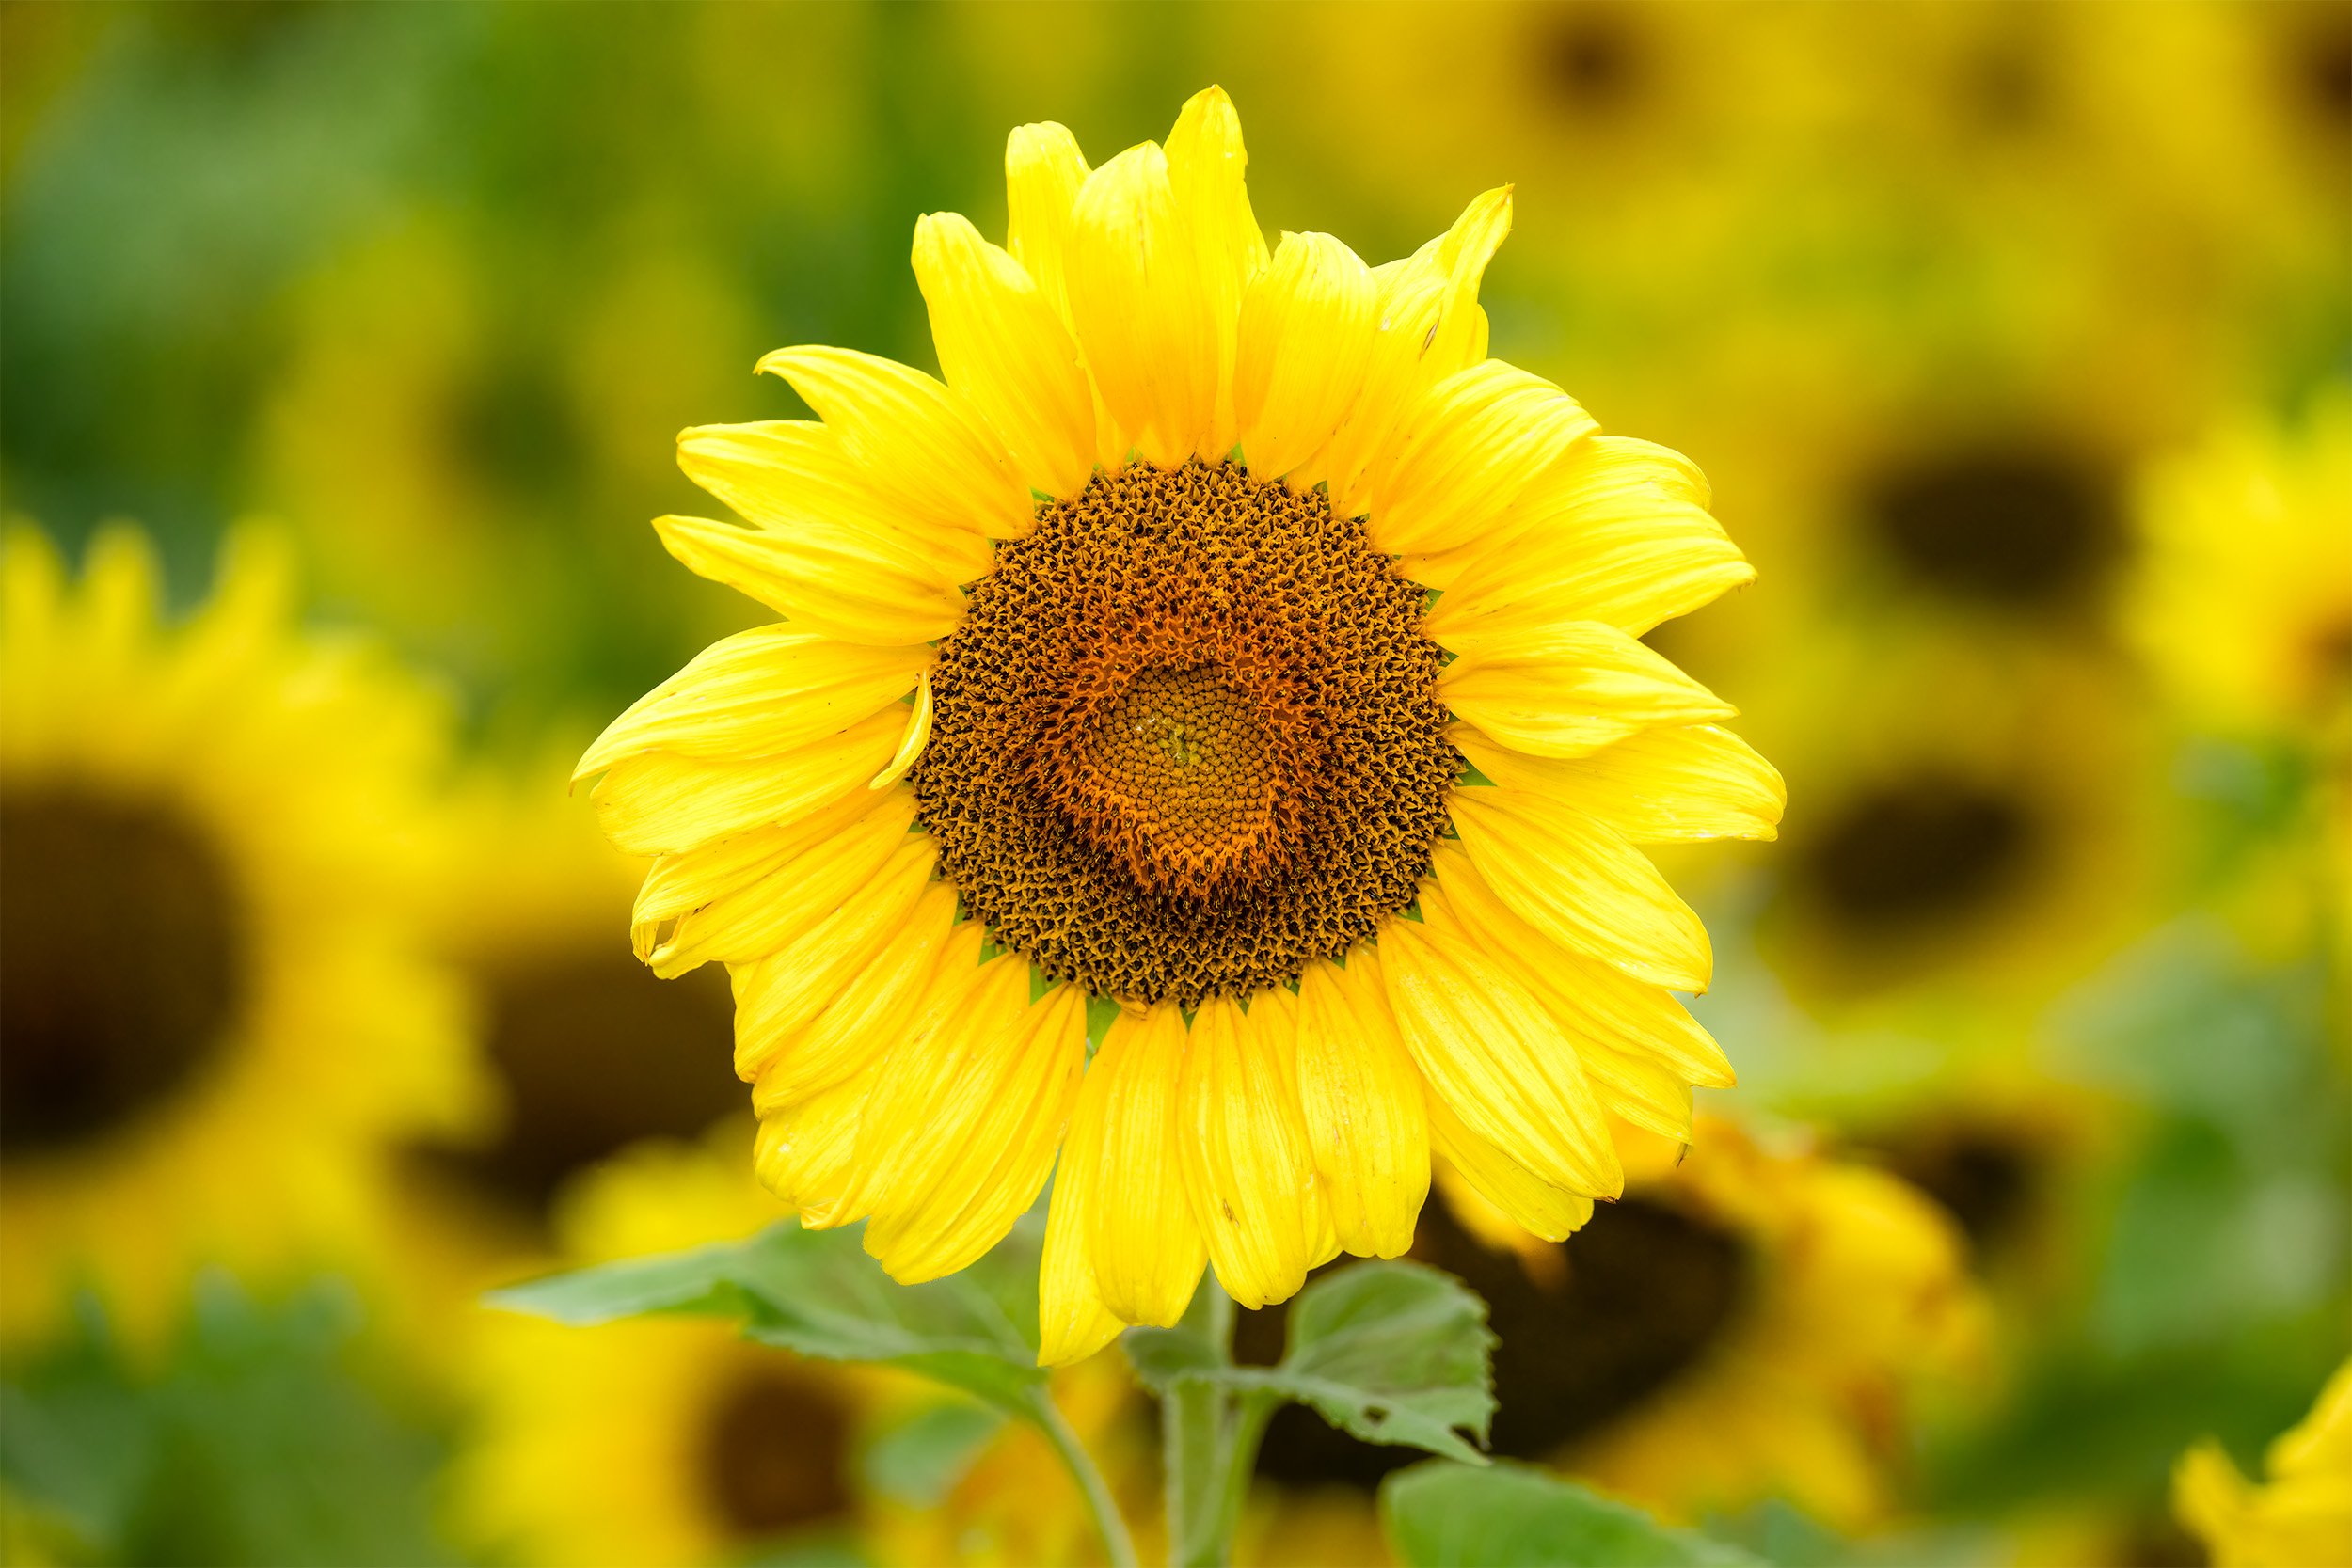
[
  {"x": 916, "y": 1461},
  {"x": 817, "y": 1293},
  {"x": 1391, "y": 1353},
  {"x": 255, "y": 1440},
  {"x": 1440, "y": 1515}
]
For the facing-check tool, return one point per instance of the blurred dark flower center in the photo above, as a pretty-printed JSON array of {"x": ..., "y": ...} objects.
[
  {"x": 121, "y": 964},
  {"x": 1590, "y": 58},
  {"x": 2017, "y": 529},
  {"x": 1641, "y": 1294},
  {"x": 1987, "y": 1179},
  {"x": 775, "y": 1454},
  {"x": 1927, "y": 850},
  {"x": 2329, "y": 653},
  {"x": 2006, "y": 88},
  {"x": 2323, "y": 61},
  {"x": 594, "y": 1053}
]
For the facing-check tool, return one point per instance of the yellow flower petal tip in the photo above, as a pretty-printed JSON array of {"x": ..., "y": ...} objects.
[{"x": 911, "y": 744}]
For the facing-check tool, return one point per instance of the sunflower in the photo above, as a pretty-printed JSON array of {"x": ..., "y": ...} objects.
[
  {"x": 2242, "y": 605},
  {"x": 221, "y": 1018},
  {"x": 653, "y": 1440},
  {"x": 1856, "y": 1300},
  {"x": 1275, "y": 694},
  {"x": 2302, "y": 1515},
  {"x": 673, "y": 1440},
  {"x": 589, "y": 1053},
  {"x": 1961, "y": 866},
  {"x": 1750, "y": 1323},
  {"x": 585, "y": 1054}
]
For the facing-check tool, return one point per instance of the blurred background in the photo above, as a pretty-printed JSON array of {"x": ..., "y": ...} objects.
[{"x": 2014, "y": 341}]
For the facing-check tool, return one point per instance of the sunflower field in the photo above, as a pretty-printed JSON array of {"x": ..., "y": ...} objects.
[{"x": 1486, "y": 784}]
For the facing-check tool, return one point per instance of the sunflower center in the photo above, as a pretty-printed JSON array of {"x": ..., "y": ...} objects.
[
  {"x": 775, "y": 1452},
  {"x": 594, "y": 1053},
  {"x": 2022, "y": 529},
  {"x": 1188, "y": 737},
  {"x": 121, "y": 964},
  {"x": 1180, "y": 781}
]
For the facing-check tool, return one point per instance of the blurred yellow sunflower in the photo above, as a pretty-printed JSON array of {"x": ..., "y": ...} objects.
[
  {"x": 1847, "y": 1295},
  {"x": 221, "y": 1018},
  {"x": 1961, "y": 865},
  {"x": 675, "y": 1441},
  {"x": 2242, "y": 605},
  {"x": 589, "y": 1052},
  {"x": 2301, "y": 1515},
  {"x": 656, "y": 1440},
  {"x": 1750, "y": 1323},
  {"x": 586, "y": 1053},
  {"x": 1208, "y": 570}
]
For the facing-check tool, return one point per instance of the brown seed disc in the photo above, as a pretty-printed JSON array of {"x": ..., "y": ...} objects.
[{"x": 1188, "y": 737}]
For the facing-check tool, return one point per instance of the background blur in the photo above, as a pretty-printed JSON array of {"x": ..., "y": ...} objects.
[{"x": 2013, "y": 338}]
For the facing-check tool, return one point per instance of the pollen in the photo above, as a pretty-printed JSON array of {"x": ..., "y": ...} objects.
[{"x": 1188, "y": 737}]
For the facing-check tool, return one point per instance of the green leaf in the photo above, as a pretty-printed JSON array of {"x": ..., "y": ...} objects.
[
  {"x": 1388, "y": 1353},
  {"x": 918, "y": 1459},
  {"x": 1508, "y": 1517},
  {"x": 820, "y": 1293},
  {"x": 701, "y": 1281}
]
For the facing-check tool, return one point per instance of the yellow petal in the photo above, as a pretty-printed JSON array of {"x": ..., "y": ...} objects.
[
  {"x": 1491, "y": 1053},
  {"x": 1527, "y": 1199},
  {"x": 1482, "y": 438},
  {"x": 806, "y": 1155},
  {"x": 1072, "y": 1323},
  {"x": 777, "y": 996},
  {"x": 1617, "y": 532},
  {"x": 788, "y": 1064},
  {"x": 911, "y": 744},
  {"x": 1044, "y": 171},
  {"x": 1247, "y": 1166},
  {"x": 660, "y": 803},
  {"x": 972, "y": 1130},
  {"x": 1655, "y": 787},
  {"x": 1595, "y": 1004},
  {"x": 120, "y": 595},
  {"x": 1305, "y": 342},
  {"x": 757, "y": 693},
  {"x": 945, "y": 1006},
  {"x": 802, "y": 479},
  {"x": 766, "y": 915},
  {"x": 918, "y": 439},
  {"x": 1147, "y": 1249},
  {"x": 1363, "y": 1102},
  {"x": 1572, "y": 689},
  {"x": 1143, "y": 316},
  {"x": 689, "y": 879},
  {"x": 1205, "y": 166},
  {"x": 1429, "y": 326},
  {"x": 823, "y": 579},
  {"x": 1003, "y": 344},
  {"x": 1577, "y": 880}
]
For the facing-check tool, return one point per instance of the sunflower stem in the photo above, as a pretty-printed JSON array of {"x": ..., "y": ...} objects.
[
  {"x": 1117, "y": 1543},
  {"x": 1209, "y": 1445}
]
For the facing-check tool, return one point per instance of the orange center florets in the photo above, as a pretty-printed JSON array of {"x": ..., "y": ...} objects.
[{"x": 1188, "y": 737}]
